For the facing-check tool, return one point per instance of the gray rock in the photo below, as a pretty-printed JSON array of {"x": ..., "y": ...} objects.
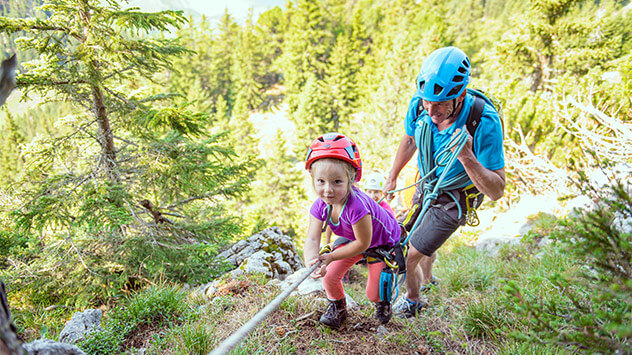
[
  {"x": 51, "y": 347},
  {"x": 269, "y": 252},
  {"x": 492, "y": 246},
  {"x": 80, "y": 325},
  {"x": 308, "y": 286},
  {"x": 544, "y": 242},
  {"x": 256, "y": 263},
  {"x": 351, "y": 303}
]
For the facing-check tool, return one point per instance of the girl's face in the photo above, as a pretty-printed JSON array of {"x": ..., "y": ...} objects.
[
  {"x": 376, "y": 195},
  {"x": 331, "y": 182}
]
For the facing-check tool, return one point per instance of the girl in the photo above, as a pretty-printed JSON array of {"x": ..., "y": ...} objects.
[
  {"x": 334, "y": 163},
  {"x": 373, "y": 187}
]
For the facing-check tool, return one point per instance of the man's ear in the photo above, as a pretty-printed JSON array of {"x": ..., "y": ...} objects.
[{"x": 462, "y": 96}]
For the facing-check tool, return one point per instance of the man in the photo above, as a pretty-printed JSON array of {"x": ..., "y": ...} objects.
[{"x": 442, "y": 103}]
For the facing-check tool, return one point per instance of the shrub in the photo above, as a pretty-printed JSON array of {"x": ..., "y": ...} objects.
[
  {"x": 158, "y": 307},
  {"x": 591, "y": 306}
]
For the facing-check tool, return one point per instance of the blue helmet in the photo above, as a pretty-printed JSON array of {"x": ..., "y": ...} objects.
[{"x": 444, "y": 74}]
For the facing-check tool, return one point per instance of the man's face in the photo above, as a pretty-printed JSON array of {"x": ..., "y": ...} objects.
[{"x": 439, "y": 111}]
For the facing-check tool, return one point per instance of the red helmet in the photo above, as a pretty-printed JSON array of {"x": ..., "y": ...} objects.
[{"x": 335, "y": 145}]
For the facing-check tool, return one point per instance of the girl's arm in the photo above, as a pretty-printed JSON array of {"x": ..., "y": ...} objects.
[
  {"x": 363, "y": 231},
  {"x": 312, "y": 241}
]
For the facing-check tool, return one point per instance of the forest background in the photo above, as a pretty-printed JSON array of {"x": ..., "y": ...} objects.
[{"x": 127, "y": 155}]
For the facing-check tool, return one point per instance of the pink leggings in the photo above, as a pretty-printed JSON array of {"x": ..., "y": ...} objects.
[{"x": 336, "y": 271}]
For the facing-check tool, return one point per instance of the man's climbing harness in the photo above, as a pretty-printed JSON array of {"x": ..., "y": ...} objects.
[{"x": 390, "y": 281}]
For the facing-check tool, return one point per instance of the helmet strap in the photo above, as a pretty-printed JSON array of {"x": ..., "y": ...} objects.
[{"x": 454, "y": 107}]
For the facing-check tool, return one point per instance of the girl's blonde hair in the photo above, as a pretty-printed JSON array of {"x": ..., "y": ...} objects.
[{"x": 348, "y": 168}]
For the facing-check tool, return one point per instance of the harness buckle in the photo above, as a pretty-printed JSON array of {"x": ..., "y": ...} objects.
[{"x": 472, "y": 201}]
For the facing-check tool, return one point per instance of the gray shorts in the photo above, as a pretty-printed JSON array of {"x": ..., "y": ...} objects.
[{"x": 436, "y": 226}]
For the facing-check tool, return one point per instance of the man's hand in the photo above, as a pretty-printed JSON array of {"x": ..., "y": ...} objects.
[
  {"x": 389, "y": 185},
  {"x": 467, "y": 151}
]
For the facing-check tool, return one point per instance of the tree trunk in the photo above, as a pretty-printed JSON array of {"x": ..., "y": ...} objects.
[
  {"x": 9, "y": 341},
  {"x": 7, "y": 78},
  {"x": 106, "y": 138}
]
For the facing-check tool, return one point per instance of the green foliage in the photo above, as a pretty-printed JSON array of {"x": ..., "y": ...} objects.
[
  {"x": 10, "y": 149},
  {"x": 192, "y": 339},
  {"x": 97, "y": 190},
  {"x": 460, "y": 274},
  {"x": 484, "y": 318},
  {"x": 278, "y": 189},
  {"x": 156, "y": 307},
  {"x": 592, "y": 305}
]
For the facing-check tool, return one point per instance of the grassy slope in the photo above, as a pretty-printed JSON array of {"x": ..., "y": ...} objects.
[{"x": 468, "y": 313}]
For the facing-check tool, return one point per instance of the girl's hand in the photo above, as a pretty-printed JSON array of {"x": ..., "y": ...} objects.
[
  {"x": 326, "y": 258},
  {"x": 320, "y": 271}
]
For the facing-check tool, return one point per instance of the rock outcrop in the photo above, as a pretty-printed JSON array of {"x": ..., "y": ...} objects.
[
  {"x": 80, "y": 325},
  {"x": 269, "y": 252}
]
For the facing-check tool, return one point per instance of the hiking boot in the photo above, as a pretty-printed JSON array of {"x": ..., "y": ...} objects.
[
  {"x": 383, "y": 311},
  {"x": 335, "y": 313},
  {"x": 407, "y": 308},
  {"x": 434, "y": 282}
]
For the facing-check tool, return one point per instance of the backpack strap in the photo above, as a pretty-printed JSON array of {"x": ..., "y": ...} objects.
[{"x": 476, "y": 112}]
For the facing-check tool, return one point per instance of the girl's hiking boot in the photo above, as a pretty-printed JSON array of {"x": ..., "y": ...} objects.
[
  {"x": 407, "y": 308},
  {"x": 383, "y": 311},
  {"x": 434, "y": 282},
  {"x": 335, "y": 313}
]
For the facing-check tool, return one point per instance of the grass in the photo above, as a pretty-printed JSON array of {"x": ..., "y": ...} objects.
[{"x": 469, "y": 313}]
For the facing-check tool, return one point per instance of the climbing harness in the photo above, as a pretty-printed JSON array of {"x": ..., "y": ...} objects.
[
  {"x": 391, "y": 281},
  {"x": 394, "y": 272}
]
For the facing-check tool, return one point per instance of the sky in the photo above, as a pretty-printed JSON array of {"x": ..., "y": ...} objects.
[{"x": 213, "y": 9}]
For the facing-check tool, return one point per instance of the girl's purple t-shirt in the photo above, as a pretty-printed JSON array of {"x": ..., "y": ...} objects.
[{"x": 386, "y": 230}]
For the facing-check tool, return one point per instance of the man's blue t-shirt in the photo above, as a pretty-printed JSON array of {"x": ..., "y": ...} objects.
[{"x": 487, "y": 141}]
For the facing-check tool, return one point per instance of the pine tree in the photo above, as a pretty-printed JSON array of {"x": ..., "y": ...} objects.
[
  {"x": 314, "y": 115},
  {"x": 306, "y": 48},
  {"x": 279, "y": 189},
  {"x": 137, "y": 180},
  {"x": 246, "y": 59}
]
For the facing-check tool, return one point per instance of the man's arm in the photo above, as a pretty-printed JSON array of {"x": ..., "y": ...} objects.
[
  {"x": 405, "y": 152},
  {"x": 490, "y": 182}
]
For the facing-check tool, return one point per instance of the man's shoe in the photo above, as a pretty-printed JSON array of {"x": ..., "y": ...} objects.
[
  {"x": 434, "y": 282},
  {"x": 335, "y": 313},
  {"x": 383, "y": 311},
  {"x": 407, "y": 308}
]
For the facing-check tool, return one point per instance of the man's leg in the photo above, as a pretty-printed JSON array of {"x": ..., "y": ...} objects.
[
  {"x": 419, "y": 268},
  {"x": 435, "y": 228},
  {"x": 426, "y": 268},
  {"x": 414, "y": 274}
]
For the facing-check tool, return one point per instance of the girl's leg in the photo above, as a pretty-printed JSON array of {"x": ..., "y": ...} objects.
[
  {"x": 383, "y": 309},
  {"x": 333, "y": 278},
  {"x": 373, "y": 283}
]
